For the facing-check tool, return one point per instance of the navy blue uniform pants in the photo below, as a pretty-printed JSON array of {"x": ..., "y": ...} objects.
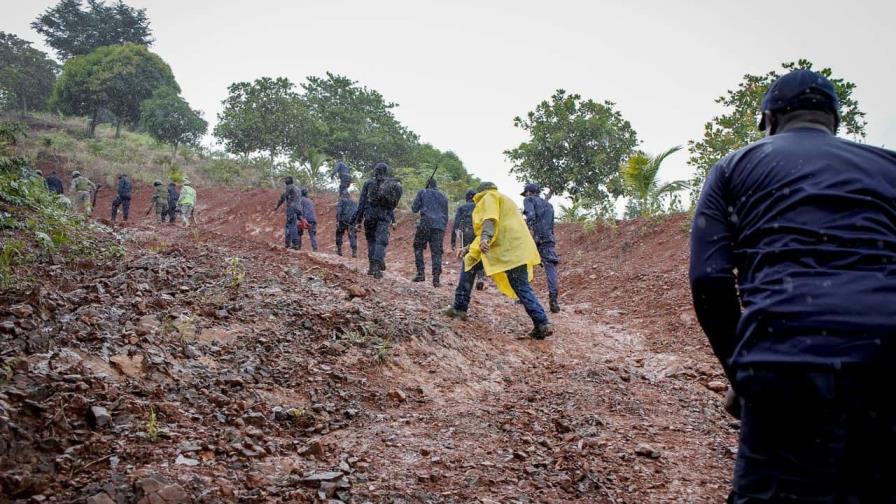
[
  {"x": 124, "y": 203},
  {"x": 312, "y": 234},
  {"x": 549, "y": 261},
  {"x": 519, "y": 282},
  {"x": 434, "y": 238},
  {"x": 341, "y": 229},
  {"x": 291, "y": 229},
  {"x": 376, "y": 231},
  {"x": 815, "y": 436}
]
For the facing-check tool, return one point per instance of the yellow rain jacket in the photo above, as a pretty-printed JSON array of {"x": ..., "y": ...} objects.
[{"x": 512, "y": 244}]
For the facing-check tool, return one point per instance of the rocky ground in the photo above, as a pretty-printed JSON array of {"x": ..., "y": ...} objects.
[{"x": 210, "y": 365}]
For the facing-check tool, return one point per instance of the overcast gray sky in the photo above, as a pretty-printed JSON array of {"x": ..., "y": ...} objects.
[{"x": 461, "y": 70}]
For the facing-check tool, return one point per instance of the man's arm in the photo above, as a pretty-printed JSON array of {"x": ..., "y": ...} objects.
[
  {"x": 529, "y": 212},
  {"x": 418, "y": 202},
  {"x": 280, "y": 201},
  {"x": 362, "y": 204},
  {"x": 713, "y": 283}
]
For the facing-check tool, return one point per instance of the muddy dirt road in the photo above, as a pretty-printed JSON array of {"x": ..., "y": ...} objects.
[{"x": 306, "y": 380}]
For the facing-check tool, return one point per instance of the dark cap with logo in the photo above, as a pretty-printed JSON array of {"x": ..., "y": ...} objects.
[{"x": 800, "y": 90}]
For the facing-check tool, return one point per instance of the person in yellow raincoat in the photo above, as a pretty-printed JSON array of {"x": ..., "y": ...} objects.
[{"x": 506, "y": 251}]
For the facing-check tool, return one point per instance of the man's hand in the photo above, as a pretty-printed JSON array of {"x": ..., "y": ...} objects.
[
  {"x": 484, "y": 247},
  {"x": 462, "y": 252}
]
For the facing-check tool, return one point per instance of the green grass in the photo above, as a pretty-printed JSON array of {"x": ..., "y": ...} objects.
[{"x": 62, "y": 144}]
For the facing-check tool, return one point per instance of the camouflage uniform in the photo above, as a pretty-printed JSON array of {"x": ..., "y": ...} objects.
[
  {"x": 82, "y": 188},
  {"x": 160, "y": 200}
]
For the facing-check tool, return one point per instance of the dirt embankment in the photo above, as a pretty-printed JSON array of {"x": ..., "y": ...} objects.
[{"x": 212, "y": 365}]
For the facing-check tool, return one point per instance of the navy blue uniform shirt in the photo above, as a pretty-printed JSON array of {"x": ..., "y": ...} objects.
[
  {"x": 433, "y": 208},
  {"x": 540, "y": 218},
  {"x": 805, "y": 223}
]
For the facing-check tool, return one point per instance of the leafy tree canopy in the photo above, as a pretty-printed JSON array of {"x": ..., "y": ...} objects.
[
  {"x": 115, "y": 78},
  {"x": 737, "y": 126},
  {"x": 169, "y": 119},
  {"x": 73, "y": 31},
  {"x": 27, "y": 75},
  {"x": 332, "y": 119},
  {"x": 359, "y": 126},
  {"x": 267, "y": 116},
  {"x": 575, "y": 148}
]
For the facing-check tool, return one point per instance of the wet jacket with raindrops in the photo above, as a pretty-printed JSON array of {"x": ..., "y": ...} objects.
[
  {"x": 433, "y": 208},
  {"x": 345, "y": 210},
  {"x": 802, "y": 225}
]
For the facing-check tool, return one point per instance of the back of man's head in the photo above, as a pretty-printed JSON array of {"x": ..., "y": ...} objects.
[{"x": 801, "y": 95}]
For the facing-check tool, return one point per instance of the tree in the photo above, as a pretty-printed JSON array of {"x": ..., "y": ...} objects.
[
  {"x": 266, "y": 116},
  {"x": 737, "y": 126},
  {"x": 359, "y": 126},
  {"x": 115, "y": 78},
  {"x": 575, "y": 148},
  {"x": 642, "y": 184},
  {"x": 27, "y": 75},
  {"x": 169, "y": 119},
  {"x": 71, "y": 31}
]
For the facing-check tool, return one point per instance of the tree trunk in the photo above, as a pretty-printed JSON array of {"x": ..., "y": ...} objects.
[
  {"x": 174, "y": 153},
  {"x": 118, "y": 128},
  {"x": 91, "y": 126},
  {"x": 271, "y": 172},
  {"x": 550, "y": 193}
]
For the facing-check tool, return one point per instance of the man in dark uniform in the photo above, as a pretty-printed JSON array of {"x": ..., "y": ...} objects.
[
  {"x": 793, "y": 275},
  {"x": 432, "y": 205},
  {"x": 310, "y": 215},
  {"x": 123, "y": 199},
  {"x": 293, "y": 199},
  {"x": 463, "y": 225},
  {"x": 54, "y": 183},
  {"x": 173, "y": 196},
  {"x": 345, "y": 176},
  {"x": 377, "y": 215},
  {"x": 540, "y": 219},
  {"x": 345, "y": 211}
]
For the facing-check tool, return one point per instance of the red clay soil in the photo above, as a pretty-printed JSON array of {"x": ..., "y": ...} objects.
[{"x": 319, "y": 383}]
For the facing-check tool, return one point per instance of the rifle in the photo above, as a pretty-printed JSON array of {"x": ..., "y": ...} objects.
[
  {"x": 433, "y": 175},
  {"x": 93, "y": 199},
  {"x": 152, "y": 204}
]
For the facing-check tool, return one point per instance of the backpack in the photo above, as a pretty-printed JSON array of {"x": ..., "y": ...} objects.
[{"x": 387, "y": 193}]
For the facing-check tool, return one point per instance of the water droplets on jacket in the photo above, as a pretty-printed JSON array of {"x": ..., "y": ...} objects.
[
  {"x": 433, "y": 208},
  {"x": 806, "y": 224},
  {"x": 292, "y": 197},
  {"x": 345, "y": 210}
]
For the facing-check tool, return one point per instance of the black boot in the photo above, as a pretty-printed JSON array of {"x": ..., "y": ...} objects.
[
  {"x": 339, "y": 251},
  {"x": 354, "y": 254},
  {"x": 435, "y": 281},
  {"x": 371, "y": 267},
  {"x": 419, "y": 277},
  {"x": 377, "y": 270},
  {"x": 555, "y": 305}
]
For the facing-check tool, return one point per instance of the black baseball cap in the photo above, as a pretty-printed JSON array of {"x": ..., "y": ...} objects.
[
  {"x": 532, "y": 188},
  {"x": 800, "y": 90}
]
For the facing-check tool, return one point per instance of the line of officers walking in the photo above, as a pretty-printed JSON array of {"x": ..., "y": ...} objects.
[
  {"x": 489, "y": 235},
  {"x": 166, "y": 202}
]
